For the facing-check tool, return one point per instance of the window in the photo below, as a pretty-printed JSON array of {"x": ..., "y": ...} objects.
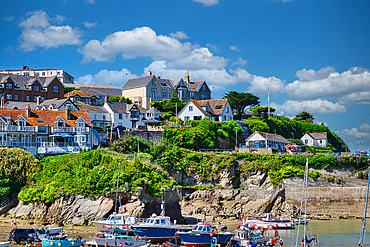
[
  {"x": 43, "y": 73},
  {"x": 55, "y": 89},
  {"x": 203, "y": 96},
  {"x": 120, "y": 116},
  {"x": 37, "y": 73},
  {"x": 36, "y": 88},
  {"x": 154, "y": 93},
  {"x": 164, "y": 93},
  {"x": 227, "y": 109},
  {"x": 190, "y": 108},
  {"x": 320, "y": 141},
  {"x": 204, "y": 87},
  {"x": 27, "y": 98},
  {"x": 9, "y": 96},
  {"x": 94, "y": 116},
  {"x": 153, "y": 82},
  {"x": 104, "y": 117},
  {"x": 169, "y": 93},
  {"x": 51, "y": 72},
  {"x": 26, "y": 73},
  {"x": 230, "y": 118},
  {"x": 15, "y": 97},
  {"x": 81, "y": 124},
  {"x": 42, "y": 99},
  {"x": 35, "y": 98},
  {"x": 1, "y": 96},
  {"x": 38, "y": 139},
  {"x": 184, "y": 94},
  {"x": 223, "y": 118},
  {"x": 186, "y": 118},
  {"x": 191, "y": 95},
  {"x": 306, "y": 141},
  {"x": 9, "y": 86},
  {"x": 58, "y": 73}
]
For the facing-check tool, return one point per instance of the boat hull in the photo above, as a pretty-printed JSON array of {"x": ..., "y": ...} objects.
[
  {"x": 157, "y": 234},
  {"x": 62, "y": 243},
  {"x": 5, "y": 244},
  {"x": 198, "y": 239},
  {"x": 274, "y": 224},
  {"x": 118, "y": 242}
]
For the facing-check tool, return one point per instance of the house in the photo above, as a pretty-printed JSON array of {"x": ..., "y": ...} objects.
[
  {"x": 98, "y": 90},
  {"x": 23, "y": 88},
  {"x": 99, "y": 116},
  {"x": 49, "y": 105},
  {"x": 318, "y": 139},
  {"x": 81, "y": 96},
  {"x": 45, "y": 132},
  {"x": 215, "y": 109},
  {"x": 144, "y": 90},
  {"x": 129, "y": 116},
  {"x": 62, "y": 75},
  {"x": 259, "y": 141}
]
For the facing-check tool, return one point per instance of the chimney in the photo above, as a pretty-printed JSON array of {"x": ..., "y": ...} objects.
[
  {"x": 149, "y": 73},
  {"x": 38, "y": 100},
  {"x": 68, "y": 113},
  {"x": 159, "y": 77},
  {"x": 121, "y": 100},
  {"x": 106, "y": 99},
  {"x": 187, "y": 80},
  {"x": 28, "y": 110}
]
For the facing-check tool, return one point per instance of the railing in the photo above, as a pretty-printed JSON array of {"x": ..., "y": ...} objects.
[
  {"x": 21, "y": 128},
  {"x": 17, "y": 144},
  {"x": 135, "y": 118},
  {"x": 70, "y": 129}
]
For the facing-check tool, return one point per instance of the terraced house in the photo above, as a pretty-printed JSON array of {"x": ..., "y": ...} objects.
[
  {"x": 146, "y": 89},
  {"x": 45, "y": 132},
  {"x": 23, "y": 88}
]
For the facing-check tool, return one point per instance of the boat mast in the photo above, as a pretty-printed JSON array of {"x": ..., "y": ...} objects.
[
  {"x": 302, "y": 198},
  {"x": 115, "y": 206},
  {"x": 205, "y": 207},
  {"x": 361, "y": 242},
  {"x": 305, "y": 200},
  {"x": 162, "y": 203}
]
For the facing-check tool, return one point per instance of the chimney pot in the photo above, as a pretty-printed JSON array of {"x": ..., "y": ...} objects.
[
  {"x": 106, "y": 99},
  {"x": 68, "y": 112},
  {"x": 149, "y": 73},
  {"x": 28, "y": 110},
  {"x": 159, "y": 77},
  {"x": 38, "y": 100}
]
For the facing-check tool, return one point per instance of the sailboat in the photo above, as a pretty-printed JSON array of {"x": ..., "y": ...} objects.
[
  {"x": 304, "y": 198},
  {"x": 361, "y": 241}
]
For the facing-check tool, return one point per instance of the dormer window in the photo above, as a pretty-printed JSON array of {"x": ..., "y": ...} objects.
[
  {"x": 9, "y": 86},
  {"x": 36, "y": 88}
]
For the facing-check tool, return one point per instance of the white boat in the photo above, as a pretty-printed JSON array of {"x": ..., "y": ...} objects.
[
  {"x": 296, "y": 222},
  {"x": 114, "y": 239},
  {"x": 266, "y": 220},
  {"x": 115, "y": 220},
  {"x": 5, "y": 244},
  {"x": 55, "y": 230}
]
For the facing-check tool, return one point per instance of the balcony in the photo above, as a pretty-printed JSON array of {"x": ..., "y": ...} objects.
[
  {"x": 135, "y": 117},
  {"x": 70, "y": 129},
  {"x": 14, "y": 128}
]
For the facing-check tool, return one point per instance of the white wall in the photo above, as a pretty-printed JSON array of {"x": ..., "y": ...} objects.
[{"x": 186, "y": 113}]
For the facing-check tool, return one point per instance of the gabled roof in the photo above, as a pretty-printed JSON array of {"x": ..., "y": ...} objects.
[
  {"x": 48, "y": 117},
  {"x": 24, "y": 81},
  {"x": 56, "y": 103},
  {"x": 102, "y": 91},
  {"x": 138, "y": 82},
  {"x": 269, "y": 137},
  {"x": 118, "y": 107},
  {"x": 79, "y": 93},
  {"x": 91, "y": 108},
  {"x": 318, "y": 135},
  {"x": 217, "y": 105},
  {"x": 195, "y": 102}
]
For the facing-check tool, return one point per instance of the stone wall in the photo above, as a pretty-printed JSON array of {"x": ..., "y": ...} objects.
[
  {"x": 330, "y": 202},
  {"x": 155, "y": 136}
]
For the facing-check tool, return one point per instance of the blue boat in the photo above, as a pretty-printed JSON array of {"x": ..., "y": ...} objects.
[
  {"x": 203, "y": 234},
  {"x": 61, "y": 242}
]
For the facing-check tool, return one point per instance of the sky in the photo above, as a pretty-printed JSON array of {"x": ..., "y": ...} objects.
[{"x": 307, "y": 55}]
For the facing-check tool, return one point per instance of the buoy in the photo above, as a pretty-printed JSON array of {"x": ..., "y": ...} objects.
[
  {"x": 52, "y": 243},
  {"x": 106, "y": 244},
  {"x": 59, "y": 244},
  {"x": 73, "y": 243},
  {"x": 103, "y": 226},
  {"x": 120, "y": 245},
  {"x": 271, "y": 227},
  {"x": 238, "y": 226},
  {"x": 276, "y": 233},
  {"x": 211, "y": 235}
]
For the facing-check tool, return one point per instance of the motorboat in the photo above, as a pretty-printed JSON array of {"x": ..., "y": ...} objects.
[
  {"x": 115, "y": 220},
  {"x": 266, "y": 220},
  {"x": 244, "y": 237},
  {"x": 203, "y": 234},
  {"x": 118, "y": 238},
  {"x": 61, "y": 241},
  {"x": 5, "y": 244}
]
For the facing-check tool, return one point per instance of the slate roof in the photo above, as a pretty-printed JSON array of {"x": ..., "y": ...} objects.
[
  {"x": 118, "y": 107},
  {"x": 270, "y": 137},
  {"x": 319, "y": 135},
  {"x": 48, "y": 117},
  {"x": 196, "y": 85},
  {"x": 217, "y": 106},
  {"x": 91, "y": 108},
  {"x": 56, "y": 103},
  {"x": 24, "y": 81},
  {"x": 138, "y": 82},
  {"x": 102, "y": 91}
]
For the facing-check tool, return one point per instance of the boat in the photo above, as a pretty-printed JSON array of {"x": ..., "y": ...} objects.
[
  {"x": 362, "y": 236},
  {"x": 266, "y": 220},
  {"x": 302, "y": 222},
  {"x": 203, "y": 234},
  {"x": 158, "y": 228},
  {"x": 5, "y": 244},
  {"x": 117, "y": 238},
  {"x": 115, "y": 220},
  {"x": 244, "y": 237},
  {"x": 61, "y": 241}
]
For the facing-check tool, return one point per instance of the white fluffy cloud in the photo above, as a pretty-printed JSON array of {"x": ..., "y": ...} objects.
[
  {"x": 261, "y": 85},
  {"x": 357, "y": 98},
  {"x": 207, "y": 2},
  {"x": 241, "y": 62},
  {"x": 311, "y": 75},
  {"x": 327, "y": 84},
  {"x": 108, "y": 77},
  {"x": 38, "y": 32},
  {"x": 89, "y": 24},
  {"x": 354, "y": 135},
  {"x": 234, "y": 48},
  {"x": 179, "y": 35},
  {"x": 315, "y": 107}
]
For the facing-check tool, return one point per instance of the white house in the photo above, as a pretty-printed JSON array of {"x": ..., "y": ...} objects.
[
  {"x": 98, "y": 115},
  {"x": 215, "y": 109},
  {"x": 319, "y": 139},
  {"x": 259, "y": 140},
  {"x": 127, "y": 115}
]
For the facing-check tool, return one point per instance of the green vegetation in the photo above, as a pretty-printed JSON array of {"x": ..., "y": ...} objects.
[
  {"x": 118, "y": 98},
  {"x": 240, "y": 101},
  {"x": 262, "y": 109},
  {"x": 169, "y": 107},
  {"x": 68, "y": 89}
]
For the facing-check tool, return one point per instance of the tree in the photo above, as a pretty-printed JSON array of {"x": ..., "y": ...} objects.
[
  {"x": 239, "y": 101},
  {"x": 262, "y": 109},
  {"x": 304, "y": 116},
  {"x": 169, "y": 105},
  {"x": 118, "y": 98},
  {"x": 68, "y": 89}
]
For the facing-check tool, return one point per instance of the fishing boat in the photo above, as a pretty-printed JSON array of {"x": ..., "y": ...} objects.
[
  {"x": 203, "y": 234},
  {"x": 5, "y": 244},
  {"x": 266, "y": 220},
  {"x": 118, "y": 238},
  {"x": 115, "y": 220},
  {"x": 244, "y": 237},
  {"x": 61, "y": 241}
]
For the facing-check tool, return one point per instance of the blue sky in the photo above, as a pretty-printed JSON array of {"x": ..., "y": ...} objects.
[{"x": 312, "y": 55}]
